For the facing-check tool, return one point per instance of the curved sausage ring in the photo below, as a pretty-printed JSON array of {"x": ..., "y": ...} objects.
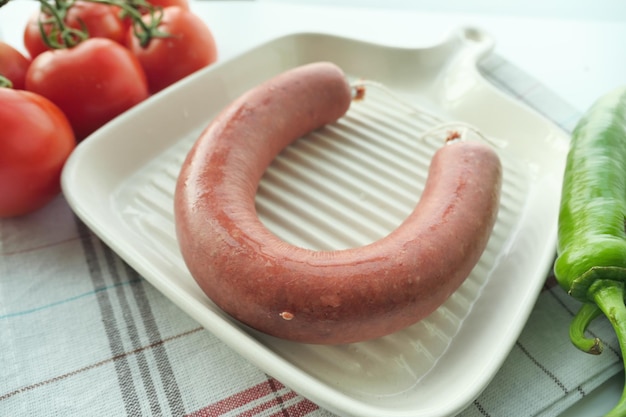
[{"x": 324, "y": 297}]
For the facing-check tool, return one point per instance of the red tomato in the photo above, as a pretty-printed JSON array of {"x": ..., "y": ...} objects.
[
  {"x": 32, "y": 37},
  {"x": 35, "y": 141},
  {"x": 92, "y": 82},
  {"x": 190, "y": 47},
  {"x": 100, "y": 20},
  {"x": 13, "y": 65}
]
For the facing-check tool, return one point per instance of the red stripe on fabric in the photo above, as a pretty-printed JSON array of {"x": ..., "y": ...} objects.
[
  {"x": 300, "y": 409},
  {"x": 268, "y": 404},
  {"x": 237, "y": 400}
]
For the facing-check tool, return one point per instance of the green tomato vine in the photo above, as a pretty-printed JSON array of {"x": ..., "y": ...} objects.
[{"x": 56, "y": 34}]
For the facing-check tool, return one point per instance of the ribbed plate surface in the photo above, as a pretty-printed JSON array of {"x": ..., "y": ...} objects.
[{"x": 345, "y": 185}]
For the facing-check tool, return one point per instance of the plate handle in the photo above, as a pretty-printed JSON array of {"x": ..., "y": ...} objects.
[
  {"x": 466, "y": 47},
  {"x": 476, "y": 42}
]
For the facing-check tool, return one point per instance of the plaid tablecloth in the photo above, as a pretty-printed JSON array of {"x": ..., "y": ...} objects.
[{"x": 82, "y": 334}]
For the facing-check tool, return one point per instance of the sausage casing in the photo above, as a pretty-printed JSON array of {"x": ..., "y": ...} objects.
[{"x": 326, "y": 297}]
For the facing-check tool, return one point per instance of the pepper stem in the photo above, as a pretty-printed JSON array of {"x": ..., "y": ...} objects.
[
  {"x": 609, "y": 296},
  {"x": 585, "y": 315}
]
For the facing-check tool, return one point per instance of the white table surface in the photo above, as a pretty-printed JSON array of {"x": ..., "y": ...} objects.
[{"x": 576, "y": 49}]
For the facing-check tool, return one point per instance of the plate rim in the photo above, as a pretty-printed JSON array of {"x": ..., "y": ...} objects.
[{"x": 235, "y": 336}]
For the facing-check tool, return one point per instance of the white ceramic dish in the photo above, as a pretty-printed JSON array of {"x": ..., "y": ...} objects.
[{"x": 345, "y": 185}]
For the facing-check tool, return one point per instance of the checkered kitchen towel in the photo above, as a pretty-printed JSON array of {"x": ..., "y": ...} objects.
[{"x": 82, "y": 334}]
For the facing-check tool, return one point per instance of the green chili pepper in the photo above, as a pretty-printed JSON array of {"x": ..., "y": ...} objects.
[{"x": 591, "y": 247}]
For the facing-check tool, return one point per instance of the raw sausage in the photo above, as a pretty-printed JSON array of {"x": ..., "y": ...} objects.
[
  {"x": 327, "y": 297},
  {"x": 323, "y": 297}
]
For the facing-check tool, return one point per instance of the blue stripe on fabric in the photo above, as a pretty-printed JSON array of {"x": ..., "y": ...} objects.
[{"x": 67, "y": 300}]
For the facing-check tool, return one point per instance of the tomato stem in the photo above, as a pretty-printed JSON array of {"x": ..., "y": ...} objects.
[
  {"x": 60, "y": 36},
  {"x": 5, "y": 82},
  {"x": 135, "y": 10}
]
